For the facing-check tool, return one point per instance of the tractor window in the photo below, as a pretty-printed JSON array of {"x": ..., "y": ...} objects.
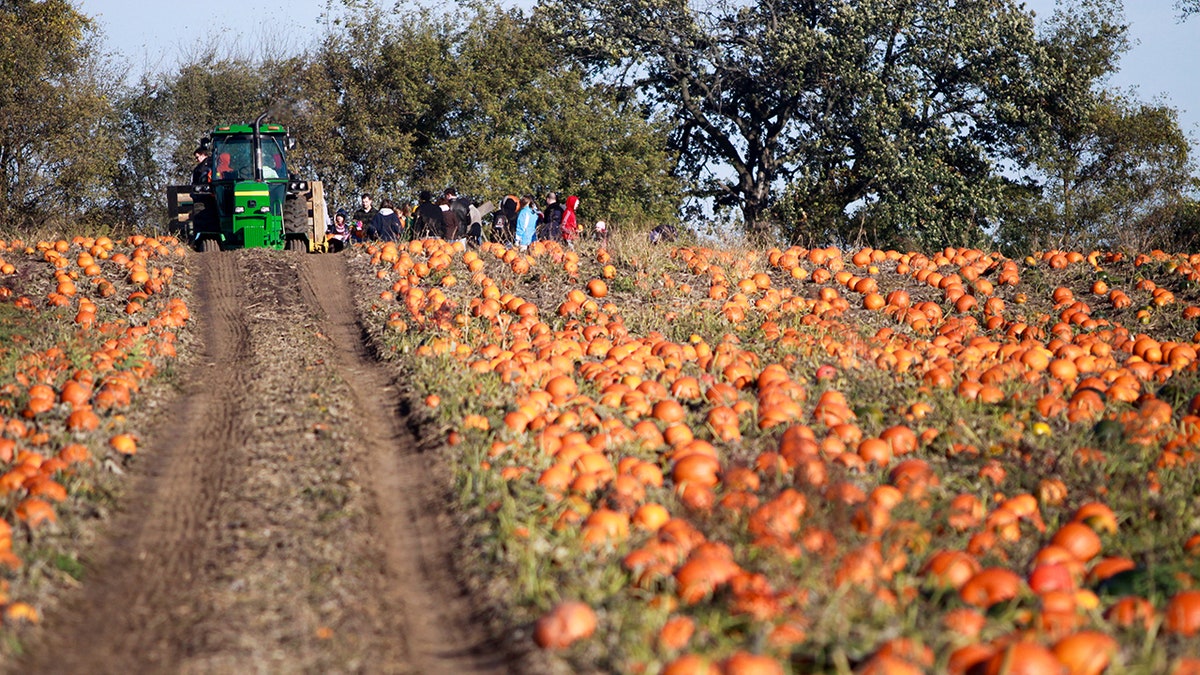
[
  {"x": 273, "y": 162},
  {"x": 234, "y": 157}
]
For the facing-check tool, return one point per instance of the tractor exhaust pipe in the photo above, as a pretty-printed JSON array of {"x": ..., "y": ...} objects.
[{"x": 258, "y": 159}]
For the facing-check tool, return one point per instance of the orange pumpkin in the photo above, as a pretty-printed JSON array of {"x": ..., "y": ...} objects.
[
  {"x": 1079, "y": 539},
  {"x": 75, "y": 393},
  {"x": 650, "y": 517},
  {"x": 676, "y": 632},
  {"x": 745, "y": 663},
  {"x": 698, "y": 468},
  {"x": 83, "y": 419},
  {"x": 597, "y": 288},
  {"x": 1087, "y": 652},
  {"x": 1131, "y": 611},
  {"x": 691, "y": 664},
  {"x": 41, "y": 399},
  {"x": 669, "y": 411},
  {"x": 1023, "y": 658},
  {"x": 950, "y": 569},
  {"x": 1182, "y": 615},
  {"x": 1098, "y": 516},
  {"x": 990, "y": 586},
  {"x": 1051, "y": 577},
  {"x": 125, "y": 444},
  {"x": 563, "y": 625},
  {"x": 701, "y": 575}
]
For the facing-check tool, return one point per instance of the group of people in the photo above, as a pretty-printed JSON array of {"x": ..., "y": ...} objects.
[
  {"x": 451, "y": 217},
  {"x": 517, "y": 221},
  {"x": 528, "y": 223}
]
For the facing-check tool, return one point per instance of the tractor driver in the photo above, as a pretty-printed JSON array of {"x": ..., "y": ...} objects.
[
  {"x": 235, "y": 161},
  {"x": 272, "y": 164}
]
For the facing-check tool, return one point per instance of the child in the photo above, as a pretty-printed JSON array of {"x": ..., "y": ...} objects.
[
  {"x": 340, "y": 230},
  {"x": 570, "y": 227}
]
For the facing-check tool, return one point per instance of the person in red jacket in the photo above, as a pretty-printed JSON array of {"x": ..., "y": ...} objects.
[{"x": 569, "y": 226}]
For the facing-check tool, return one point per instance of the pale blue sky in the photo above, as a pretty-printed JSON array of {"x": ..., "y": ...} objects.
[{"x": 1163, "y": 63}]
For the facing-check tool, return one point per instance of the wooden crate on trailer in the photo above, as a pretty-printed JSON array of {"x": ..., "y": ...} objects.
[{"x": 317, "y": 215}]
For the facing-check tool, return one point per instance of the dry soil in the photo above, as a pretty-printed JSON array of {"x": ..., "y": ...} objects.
[{"x": 282, "y": 518}]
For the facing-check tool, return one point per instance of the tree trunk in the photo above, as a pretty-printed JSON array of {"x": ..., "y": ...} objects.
[
  {"x": 756, "y": 192},
  {"x": 758, "y": 229}
]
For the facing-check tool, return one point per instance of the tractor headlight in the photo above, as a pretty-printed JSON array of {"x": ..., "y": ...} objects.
[
  {"x": 201, "y": 188},
  {"x": 298, "y": 186},
  {"x": 265, "y": 209},
  {"x": 239, "y": 209}
]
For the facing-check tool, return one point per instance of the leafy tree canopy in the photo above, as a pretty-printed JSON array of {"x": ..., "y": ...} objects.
[
  {"x": 891, "y": 111},
  {"x": 1102, "y": 168},
  {"x": 474, "y": 100},
  {"x": 58, "y": 143},
  {"x": 892, "y": 122},
  {"x": 1113, "y": 182}
]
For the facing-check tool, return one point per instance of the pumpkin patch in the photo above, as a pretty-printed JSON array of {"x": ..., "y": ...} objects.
[
  {"x": 788, "y": 459},
  {"x": 692, "y": 459},
  {"x": 73, "y": 357}
]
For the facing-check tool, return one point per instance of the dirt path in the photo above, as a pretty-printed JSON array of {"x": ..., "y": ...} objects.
[{"x": 283, "y": 519}]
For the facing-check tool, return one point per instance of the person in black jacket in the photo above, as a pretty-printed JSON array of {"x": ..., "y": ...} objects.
[
  {"x": 456, "y": 216},
  {"x": 203, "y": 216},
  {"x": 450, "y": 220},
  {"x": 505, "y": 223},
  {"x": 202, "y": 172},
  {"x": 386, "y": 224},
  {"x": 428, "y": 220},
  {"x": 664, "y": 232},
  {"x": 550, "y": 226},
  {"x": 363, "y": 218}
]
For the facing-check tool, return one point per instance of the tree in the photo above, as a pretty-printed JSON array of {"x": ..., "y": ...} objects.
[
  {"x": 475, "y": 100},
  {"x": 1180, "y": 225},
  {"x": 1102, "y": 170},
  {"x": 893, "y": 112},
  {"x": 58, "y": 138},
  {"x": 360, "y": 99},
  {"x": 538, "y": 123},
  {"x": 165, "y": 115},
  {"x": 1114, "y": 181}
]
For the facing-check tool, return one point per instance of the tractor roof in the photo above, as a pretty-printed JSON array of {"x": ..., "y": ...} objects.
[{"x": 249, "y": 129}]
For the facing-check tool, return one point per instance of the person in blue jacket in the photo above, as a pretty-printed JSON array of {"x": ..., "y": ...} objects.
[{"x": 526, "y": 222}]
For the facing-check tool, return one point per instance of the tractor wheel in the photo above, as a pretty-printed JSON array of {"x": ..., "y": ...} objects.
[
  {"x": 297, "y": 244},
  {"x": 209, "y": 245},
  {"x": 295, "y": 216}
]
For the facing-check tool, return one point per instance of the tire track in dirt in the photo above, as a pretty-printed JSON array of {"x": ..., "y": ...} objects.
[
  {"x": 282, "y": 519},
  {"x": 439, "y": 632}
]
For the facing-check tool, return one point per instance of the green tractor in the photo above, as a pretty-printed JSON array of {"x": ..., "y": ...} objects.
[{"x": 251, "y": 200}]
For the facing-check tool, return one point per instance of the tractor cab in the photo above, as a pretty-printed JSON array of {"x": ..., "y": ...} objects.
[
  {"x": 234, "y": 154},
  {"x": 250, "y": 184}
]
